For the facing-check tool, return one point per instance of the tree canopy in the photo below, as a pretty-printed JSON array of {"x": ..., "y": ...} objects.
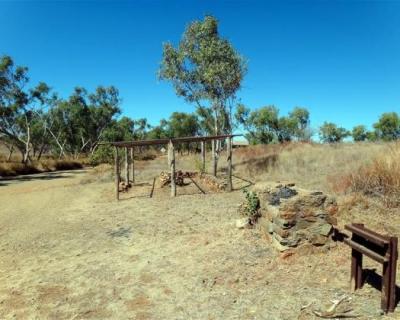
[{"x": 205, "y": 69}]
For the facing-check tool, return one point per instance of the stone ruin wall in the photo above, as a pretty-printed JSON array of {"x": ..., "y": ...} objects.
[{"x": 292, "y": 217}]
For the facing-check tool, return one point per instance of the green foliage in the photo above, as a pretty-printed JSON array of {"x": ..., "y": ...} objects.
[
  {"x": 359, "y": 133},
  {"x": 265, "y": 126},
  {"x": 331, "y": 133},
  {"x": 301, "y": 119},
  {"x": 252, "y": 205},
  {"x": 204, "y": 68},
  {"x": 388, "y": 126}
]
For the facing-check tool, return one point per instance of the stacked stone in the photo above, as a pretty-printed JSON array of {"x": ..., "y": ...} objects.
[
  {"x": 214, "y": 183},
  {"x": 293, "y": 216}
]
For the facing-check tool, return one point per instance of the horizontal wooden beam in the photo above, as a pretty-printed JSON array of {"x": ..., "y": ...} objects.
[
  {"x": 373, "y": 255},
  {"x": 368, "y": 234},
  {"x": 135, "y": 143}
]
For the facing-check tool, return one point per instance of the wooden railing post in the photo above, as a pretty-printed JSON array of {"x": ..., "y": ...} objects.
[
  {"x": 229, "y": 159},
  {"x": 126, "y": 165},
  {"x": 203, "y": 156},
  {"x": 171, "y": 158},
  {"x": 133, "y": 165},
  {"x": 116, "y": 170},
  {"x": 393, "y": 267},
  {"x": 214, "y": 158}
]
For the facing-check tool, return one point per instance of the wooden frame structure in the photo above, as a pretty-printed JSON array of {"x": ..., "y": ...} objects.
[
  {"x": 380, "y": 248},
  {"x": 129, "y": 146}
]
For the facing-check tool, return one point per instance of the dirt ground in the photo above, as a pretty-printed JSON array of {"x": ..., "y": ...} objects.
[{"x": 68, "y": 250}]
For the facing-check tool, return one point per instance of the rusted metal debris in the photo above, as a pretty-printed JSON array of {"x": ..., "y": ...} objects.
[{"x": 380, "y": 248}]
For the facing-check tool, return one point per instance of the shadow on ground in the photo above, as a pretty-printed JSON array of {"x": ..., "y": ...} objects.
[
  {"x": 41, "y": 176},
  {"x": 375, "y": 280}
]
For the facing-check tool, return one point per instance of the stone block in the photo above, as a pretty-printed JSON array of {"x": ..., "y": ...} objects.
[
  {"x": 278, "y": 246},
  {"x": 284, "y": 224}
]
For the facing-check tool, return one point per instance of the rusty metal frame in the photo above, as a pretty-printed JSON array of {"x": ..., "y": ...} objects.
[{"x": 380, "y": 248}]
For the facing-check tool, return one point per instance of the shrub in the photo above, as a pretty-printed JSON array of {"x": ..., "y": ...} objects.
[{"x": 251, "y": 206}]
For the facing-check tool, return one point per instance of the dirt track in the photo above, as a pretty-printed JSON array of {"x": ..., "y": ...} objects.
[{"x": 69, "y": 251}]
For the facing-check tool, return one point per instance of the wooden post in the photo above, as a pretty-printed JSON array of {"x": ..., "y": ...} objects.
[
  {"x": 393, "y": 267},
  {"x": 116, "y": 165},
  {"x": 171, "y": 160},
  {"x": 385, "y": 287},
  {"x": 133, "y": 165},
  {"x": 126, "y": 165},
  {"x": 203, "y": 157},
  {"x": 214, "y": 158},
  {"x": 356, "y": 265},
  {"x": 229, "y": 159}
]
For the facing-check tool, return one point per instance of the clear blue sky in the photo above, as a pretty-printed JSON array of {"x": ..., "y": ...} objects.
[{"x": 340, "y": 59}]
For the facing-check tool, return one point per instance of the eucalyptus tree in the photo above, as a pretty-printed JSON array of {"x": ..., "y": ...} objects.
[
  {"x": 388, "y": 126},
  {"x": 20, "y": 107},
  {"x": 204, "y": 69},
  {"x": 78, "y": 123},
  {"x": 331, "y": 133}
]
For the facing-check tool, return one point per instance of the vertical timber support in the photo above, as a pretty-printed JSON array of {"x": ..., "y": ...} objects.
[
  {"x": 393, "y": 267},
  {"x": 356, "y": 265},
  {"x": 171, "y": 160},
  {"x": 229, "y": 159},
  {"x": 116, "y": 165},
  {"x": 126, "y": 165},
  {"x": 214, "y": 158},
  {"x": 203, "y": 157},
  {"x": 132, "y": 165}
]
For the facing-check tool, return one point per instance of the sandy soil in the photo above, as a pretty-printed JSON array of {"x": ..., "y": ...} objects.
[{"x": 68, "y": 250}]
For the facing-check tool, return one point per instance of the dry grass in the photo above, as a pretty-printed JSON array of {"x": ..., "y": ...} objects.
[
  {"x": 9, "y": 169},
  {"x": 378, "y": 178},
  {"x": 312, "y": 166}
]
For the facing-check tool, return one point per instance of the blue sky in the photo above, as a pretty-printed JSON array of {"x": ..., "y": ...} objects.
[{"x": 340, "y": 59}]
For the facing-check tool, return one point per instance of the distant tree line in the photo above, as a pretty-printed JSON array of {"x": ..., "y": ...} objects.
[
  {"x": 204, "y": 69},
  {"x": 36, "y": 121}
]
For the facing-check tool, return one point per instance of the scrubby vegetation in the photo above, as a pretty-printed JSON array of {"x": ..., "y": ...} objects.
[{"x": 366, "y": 168}]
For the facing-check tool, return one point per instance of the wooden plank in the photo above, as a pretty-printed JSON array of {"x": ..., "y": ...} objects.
[
  {"x": 229, "y": 159},
  {"x": 373, "y": 255},
  {"x": 171, "y": 158},
  {"x": 368, "y": 234},
  {"x": 133, "y": 165},
  {"x": 116, "y": 171}
]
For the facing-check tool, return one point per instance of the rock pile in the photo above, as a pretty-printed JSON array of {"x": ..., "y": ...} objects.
[
  {"x": 165, "y": 177},
  {"x": 294, "y": 216},
  {"x": 214, "y": 183}
]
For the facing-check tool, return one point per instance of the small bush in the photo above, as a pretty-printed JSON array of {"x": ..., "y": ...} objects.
[{"x": 251, "y": 206}]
